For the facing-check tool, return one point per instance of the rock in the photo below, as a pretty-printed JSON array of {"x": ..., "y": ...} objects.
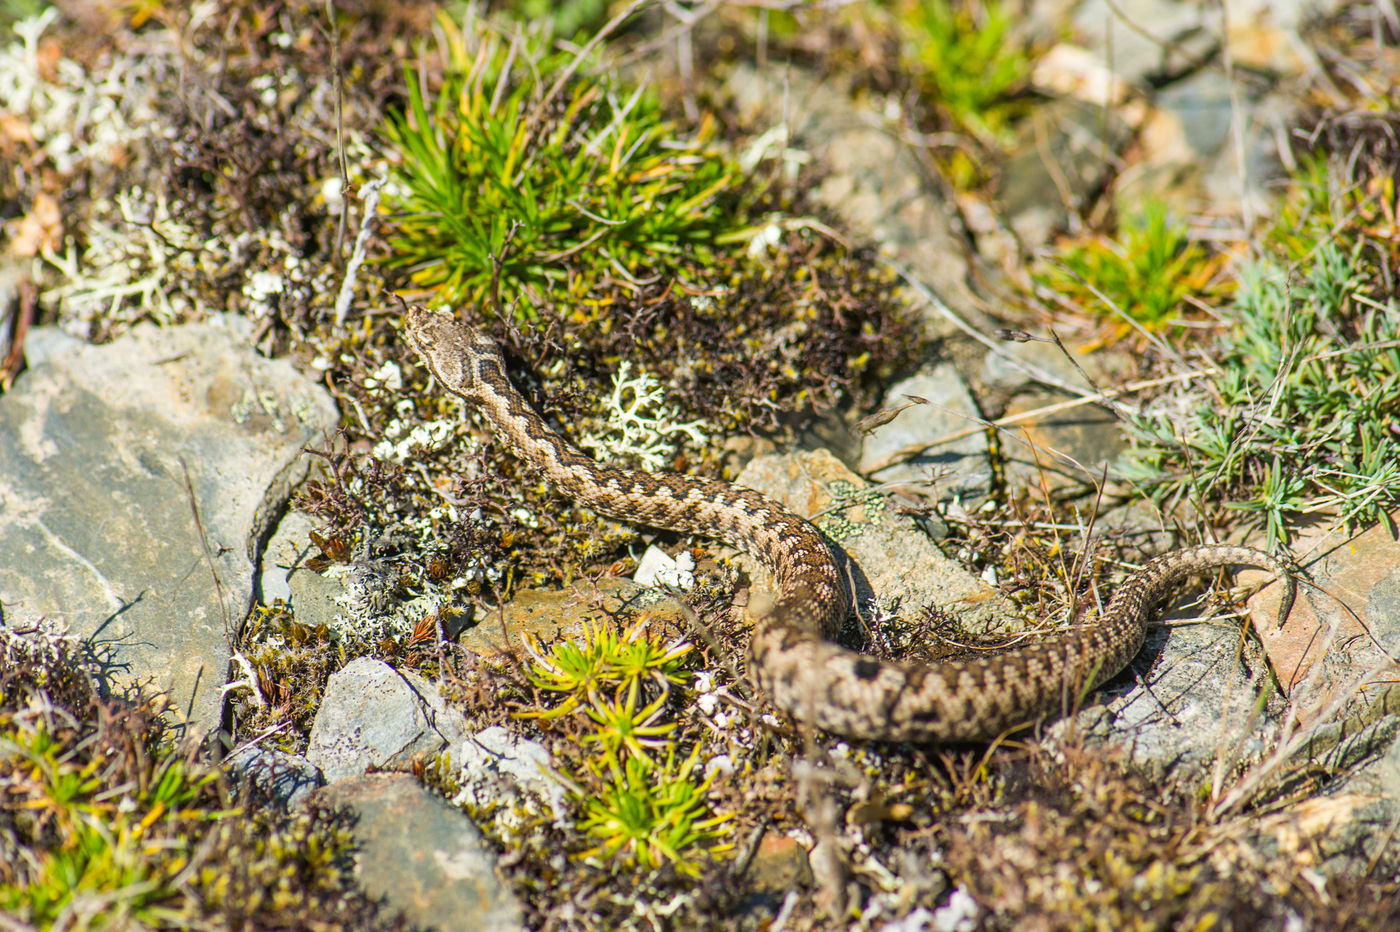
[
  {"x": 424, "y": 857},
  {"x": 1180, "y": 34},
  {"x": 97, "y": 528},
  {"x": 896, "y": 452},
  {"x": 876, "y": 181},
  {"x": 893, "y": 559},
  {"x": 779, "y": 865},
  {"x": 657, "y": 568},
  {"x": 1065, "y": 152},
  {"x": 1350, "y": 623},
  {"x": 1194, "y": 703},
  {"x": 288, "y": 778},
  {"x": 507, "y": 779},
  {"x": 373, "y": 716},
  {"x": 282, "y": 559},
  {"x": 1063, "y": 448},
  {"x": 550, "y": 613},
  {"x": 1333, "y": 653},
  {"x": 1188, "y": 151}
]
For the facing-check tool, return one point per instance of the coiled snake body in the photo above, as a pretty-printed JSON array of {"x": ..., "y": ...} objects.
[{"x": 792, "y": 657}]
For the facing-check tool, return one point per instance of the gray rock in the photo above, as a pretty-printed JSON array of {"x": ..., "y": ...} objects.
[
  {"x": 375, "y": 716},
  {"x": 894, "y": 561},
  {"x": 1059, "y": 163},
  {"x": 317, "y": 599},
  {"x": 876, "y": 181},
  {"x": 421, "y": 855},
  {"x": 1195, "y": 703},
  {"x": 894, "y": 452},
  {"x": 507, "y": 779},
  {"x": 97, "y": 528},
  {"x": 286, "y": 550},
  {"x": 1139, "y": 39},
  {"x": 289, "y": 778},
  {"x": 1065, "y": 448}
]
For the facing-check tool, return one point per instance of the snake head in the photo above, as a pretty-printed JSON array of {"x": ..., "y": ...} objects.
[{"x": 461, "y": 357}]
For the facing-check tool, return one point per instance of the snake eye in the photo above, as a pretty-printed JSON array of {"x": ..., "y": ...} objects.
[{"x": 866, "y": 668}]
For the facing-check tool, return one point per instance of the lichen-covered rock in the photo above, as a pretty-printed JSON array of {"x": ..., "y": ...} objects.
[
  {"x": 375, "y": 716},
  {"x": 895, "y": 562},
  {"x": 98, "y": 528}
]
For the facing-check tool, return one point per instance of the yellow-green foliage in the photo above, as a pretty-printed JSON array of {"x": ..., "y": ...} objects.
[
  {"x": 968, "y": 57},
  {"x": 105, "y": 824},
  {"x": 1148, "y": 273},
  {"x": 642, "y": 806}
]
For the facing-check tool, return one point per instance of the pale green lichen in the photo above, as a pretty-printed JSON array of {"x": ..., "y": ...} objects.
[
  {"x": 641, "y": 425},
  {"x": 837, "y": 524}
]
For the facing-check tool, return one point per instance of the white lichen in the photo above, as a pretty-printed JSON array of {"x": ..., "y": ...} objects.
[
  {"x": 641, "y": 424},
  {"x": 405, "y": 436}
]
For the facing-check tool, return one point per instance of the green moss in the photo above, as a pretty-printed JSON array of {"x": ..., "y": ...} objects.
[{"x": 105, "y": 823}]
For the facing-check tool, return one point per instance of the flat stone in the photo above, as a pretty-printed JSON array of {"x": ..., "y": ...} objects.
[
  {"x": 509, "y": 777},
  {"x": 1191, "y": 699},
  {"x": 554, "y": 613},
  {"x": 288, "y": 778},
  {"x": 779, "y": 865},
  {"x": 1062, "y": 447},
  {"x": 1064, "y": 152},
  {"x": 898, "y": 452},
  {"x": 423, "y": 856},
  {"x": 96, "y": 525},
  {"x": 893, "y": 559},
  {"x": 373, "y": 716},
  {"x": 1168, "y": 37},
  {"x": 284, "y": 556},
  {"x": 1350, "y": 624}
]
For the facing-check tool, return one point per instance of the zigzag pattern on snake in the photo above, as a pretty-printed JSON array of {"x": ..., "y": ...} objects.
[{"x": 792, "y": 657}]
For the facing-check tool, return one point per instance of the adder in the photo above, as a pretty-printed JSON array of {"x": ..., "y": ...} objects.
[{"x": 792, "y": 655}]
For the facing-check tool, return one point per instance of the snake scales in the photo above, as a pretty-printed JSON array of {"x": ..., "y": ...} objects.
[{"x": 792, "y": 656}]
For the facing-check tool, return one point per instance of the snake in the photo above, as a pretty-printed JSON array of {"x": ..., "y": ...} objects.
[{"x": 793, "y": 656}]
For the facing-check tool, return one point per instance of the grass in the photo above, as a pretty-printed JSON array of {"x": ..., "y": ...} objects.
[
  {"x": 602, "y": 659},
  {"x": 1149, "y": 275},
  {"x": 522, "y": 161},
  {"x": 1294, "y": 420}
]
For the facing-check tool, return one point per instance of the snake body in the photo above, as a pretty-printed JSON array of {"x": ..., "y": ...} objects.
[{"x": 792, "y": 656}]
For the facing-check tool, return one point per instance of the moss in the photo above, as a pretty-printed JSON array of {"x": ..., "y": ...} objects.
[{"x": 107, "y": 823}]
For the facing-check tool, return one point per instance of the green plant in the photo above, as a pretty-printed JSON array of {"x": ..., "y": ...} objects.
[
  {"x": 969, "y": 57},
  {"x": 566, "y": 18},
  {"x": 1148, "y": 273},
  {"x": 104, "y": 824},
  {"x": 1300, "y": 417},
  {"x": 523, "y": 173},
  {"x": 604, "y": 659},
  {"x": 622, "y": 731},
  {"x": 643, "y": 812},
  {"x": 102, "y": 847},
  {"x": 651, "y": 816}
]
